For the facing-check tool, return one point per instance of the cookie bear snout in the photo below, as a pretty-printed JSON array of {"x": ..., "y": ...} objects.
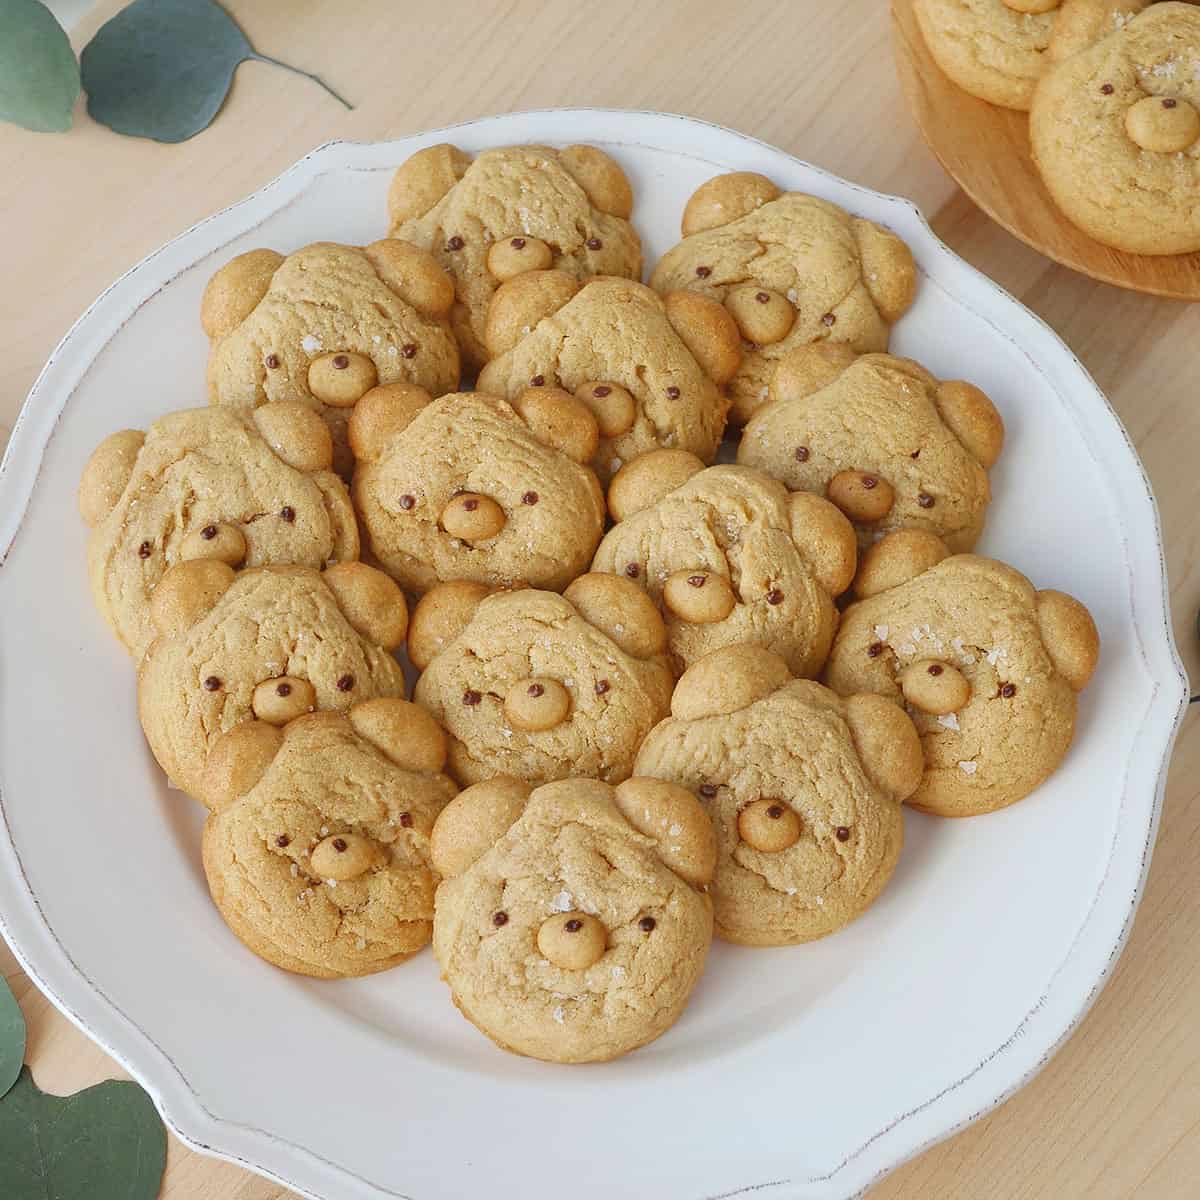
[
  {"x": 769, "y": 826},
  {"x": 861, "y": 495},
  {"x": 537, "y": 704},
  {"x": 223, "y": 542},
  {"x": 699, "y": 597},
  {"x": 1163, "y": 125},
  {"x": 341, "y": 379},
  {"x": 572, "y": 940},
  {"x": 611, "y": 404},
  {"x": 278, "y": 701},
  {"x": 473, "y": 517},
  {"x": 936, "y": 688},
  {"x": 509, "y": 257},
  {"x": 762, "y": 316},
  {"x": 1032, "y": 6},
  {"x": 345, "y": 856}
]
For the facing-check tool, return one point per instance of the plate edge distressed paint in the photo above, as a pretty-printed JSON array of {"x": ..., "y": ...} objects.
[{"x": 1077, "y": 980}]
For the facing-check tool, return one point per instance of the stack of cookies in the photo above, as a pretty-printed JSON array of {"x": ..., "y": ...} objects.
[
  {"x": 1112, "y": 88},
  {"x": 657, "y": 698}
]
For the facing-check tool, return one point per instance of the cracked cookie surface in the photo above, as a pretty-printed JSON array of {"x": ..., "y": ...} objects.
[
  {"x": 209, "y": 483},
  {"x": 565, "y": 934},
  {"x": 1010, "y": 658},
  {"x": 318, "y": 855},
  {"x": 792, "y": 269},
  {"x": 568, "y": 209},
  {"x": 804, "y": 790}
]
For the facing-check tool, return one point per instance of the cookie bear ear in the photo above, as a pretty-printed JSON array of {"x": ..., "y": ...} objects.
[
  {"x": 423, "y": 179},
  {"x": 234, "y": 291},
  {"x": 474, "y": 821},
  {"x": 559, "y": 421},
  {"x": 889, "y": 272},
  {"x": 187, "y": 592},
  {"x": 1069, "y": 635},
  {"x": 725, "y": 198},
  {"x": 106, "y": 474},
  {"x": 648, "y": 478},
  {"x": 808, "y": 369},
  {"x": 402, "y": 732},
  {"x": 380, "y": 415},
  {"x": 605, "y": 184},
  {"x": 897, "y": 558},
  {"x": 673, "y": 817},
  {"x": 622, "y": 610},
  {"x": 972, "y": 418},
  {"x": 237, "y": 761},
  {"x": 826, "y": 540},
  {"x": 887, "y": 743},
  {"x": 440, "y": 616},
  {"x": 708, "y": 331},
  {"x": 413, "y": 274},
  {"x": 1077, "y": 25},
  {"x": 296, "y": 433},
  {"x": 727, "y": 680},
  {"x": 372, "y": 603},
  {"x": 522, "y": 302}
]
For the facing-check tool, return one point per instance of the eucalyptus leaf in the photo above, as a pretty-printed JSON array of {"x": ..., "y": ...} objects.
[
  {"x": 104, "y": 1143},
  {"x": 12, "y": 1038},
  {"x": 39, "y": 77},
  {"x": 161, "y": 69}
]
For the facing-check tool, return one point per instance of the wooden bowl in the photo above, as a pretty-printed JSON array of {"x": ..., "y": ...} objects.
[{"x": 985, "y": 150}]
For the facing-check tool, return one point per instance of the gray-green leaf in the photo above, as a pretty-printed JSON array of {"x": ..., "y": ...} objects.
[
  {"x": 39, "y": 77},
  {"x": 105, "y": 1143},
  {"x": 12, "y": 1038},
  {"x": 161, "y": 69}
]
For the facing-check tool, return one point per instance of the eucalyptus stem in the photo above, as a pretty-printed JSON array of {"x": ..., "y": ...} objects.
[{"x": 266, "y": 58}]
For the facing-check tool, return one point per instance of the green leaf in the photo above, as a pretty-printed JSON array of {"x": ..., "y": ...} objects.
[
  {"x": 12, "y": 1038},
  {"x": 39, "y": 77},
  {"x": 161, "y": 69},
  {"x": 105, "y": 1143}
]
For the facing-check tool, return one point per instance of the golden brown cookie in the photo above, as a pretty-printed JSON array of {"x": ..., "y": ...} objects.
[
  {"x": 889, "y": 444},
  {"x": 542, "y": 686},
  {"x": 510, "y": 210},
  {"x": 1116, "y": 134},
  {"x": 470, "y": 487},
  {"x": 326, "y": 324},
  {"x": 790, "y": 269},
  {"x": 729, "y": 556},
  {"x": 999, "y": 49},
  {"x": 272, "y": 643},
  {"x": 247, "y": 489},
  {"x": 651, "y": 370},
  {"x": 987, "y": 666},
  {"x": 804, "y": 790},
  {"x": 572, "y": 926},
  {"x": 317, "y": 851}
]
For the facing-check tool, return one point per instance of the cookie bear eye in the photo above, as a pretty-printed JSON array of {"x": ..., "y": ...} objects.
[
  {"x": 1162, "y": 125},
  {"x": 573, "y": 940},
  {"x": 769, "y": 826}
]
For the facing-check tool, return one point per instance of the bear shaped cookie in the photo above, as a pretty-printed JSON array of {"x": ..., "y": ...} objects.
[
  {"x": 538, "y": 685},
  {"x": 729, "y": 556},
  {"x": 326, "y": 324},
  {"x": 988, "y": 667},
  {"x": 791, "y": 269},
  {"x": 650, "y": 369},
  {"x": 1116, "y": 134},
  {"x": 571, "y": 924},
  {"x": 245, "y": 489},
  {"x": 470, "y": 487},
  {"x": 889, "y": 444},
  {"x": 999, "y": 49},
  {"x": 804, "y": 789},
  {"x": 513, "y": 209},
  {"x": 272, "y": 643},
  {"x": 317, "y": 850}
]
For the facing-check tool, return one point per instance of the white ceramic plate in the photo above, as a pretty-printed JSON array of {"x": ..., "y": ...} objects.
[{"x": 804, "y": 1072}]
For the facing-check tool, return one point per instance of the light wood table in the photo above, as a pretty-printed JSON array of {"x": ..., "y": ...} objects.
[{"x": 1116, "y": 1113}]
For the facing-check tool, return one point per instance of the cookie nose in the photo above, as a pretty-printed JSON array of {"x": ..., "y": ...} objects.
[
  {"x": 861, "y": 495},
  {"x": 769, "y": 826},
  {"x": 699, "y": 597},
  {"x": 761, "y": 315},
  {"x": 345, "y": 856},
  {"x": 225, "y": 543},
  {"x": 537, "y": 704},
  {"x": 341, "y": 379},
  {"x": 473, "y": 517},
  {"x": 934, "y": 687},
  {"x": 512, "y": 256},
  {"x": 1032, "y": 6},
  {"x": 573, "y": 941},
  {"x": 611, "y": 405},
  {"x": 1163, "y": 124},
  {"x": 278, "y": 701}
]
